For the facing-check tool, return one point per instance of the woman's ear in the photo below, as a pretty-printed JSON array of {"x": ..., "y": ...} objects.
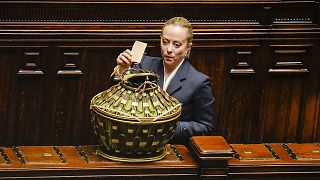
[{"x": 188, "y": 49}]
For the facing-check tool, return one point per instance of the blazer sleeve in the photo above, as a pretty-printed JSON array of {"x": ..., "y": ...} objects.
[{"x": 202, "y": 121}]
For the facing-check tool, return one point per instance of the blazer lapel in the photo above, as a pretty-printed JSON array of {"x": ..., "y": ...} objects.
[
  {"x": 181, "y": 75},
  {"x": 159, "y": 70}
]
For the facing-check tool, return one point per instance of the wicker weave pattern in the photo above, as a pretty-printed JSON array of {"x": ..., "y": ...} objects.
[
  {"x": 134, "y": 122},
  {"x": 133, "y": 140},
  {"x": 123, "y": 104}
]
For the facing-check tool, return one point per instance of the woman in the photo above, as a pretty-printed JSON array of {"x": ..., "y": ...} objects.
[{"x": 180, "y": 79}]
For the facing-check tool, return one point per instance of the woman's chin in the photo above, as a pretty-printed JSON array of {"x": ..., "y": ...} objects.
[{"x": 168, "y": 61}]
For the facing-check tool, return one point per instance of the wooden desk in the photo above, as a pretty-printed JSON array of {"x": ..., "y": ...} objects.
[
  {"x": 275, "y": 160},
  {"x": 208, "y": 157},
  {"x": 81, "y": 162}
]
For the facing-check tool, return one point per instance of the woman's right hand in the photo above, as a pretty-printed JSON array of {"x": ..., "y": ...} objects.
[{"x": 124, "y": 60}]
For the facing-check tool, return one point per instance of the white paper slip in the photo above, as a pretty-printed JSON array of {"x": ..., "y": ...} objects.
[{"x": 137, "y": 51}]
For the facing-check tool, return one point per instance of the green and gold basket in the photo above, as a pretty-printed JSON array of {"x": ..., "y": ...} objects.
[{"x": 134, "y": 119}]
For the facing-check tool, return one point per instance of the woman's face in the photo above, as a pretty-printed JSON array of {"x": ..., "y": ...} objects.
[{"x": 174, "y": 45}]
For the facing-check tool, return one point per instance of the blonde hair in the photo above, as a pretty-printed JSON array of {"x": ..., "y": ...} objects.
[{"x": 183, "y": 22}]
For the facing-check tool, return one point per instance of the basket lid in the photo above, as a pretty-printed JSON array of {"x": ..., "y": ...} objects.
[{"x": 136, "y": 98}]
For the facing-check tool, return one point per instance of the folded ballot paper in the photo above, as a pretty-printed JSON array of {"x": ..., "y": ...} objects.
[{"x": 137, "y": 51}]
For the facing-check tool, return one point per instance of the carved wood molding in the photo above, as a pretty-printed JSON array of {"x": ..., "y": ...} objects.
[
  {"x": 290, "y": 59},
  {"x": 264, "y": 12}
]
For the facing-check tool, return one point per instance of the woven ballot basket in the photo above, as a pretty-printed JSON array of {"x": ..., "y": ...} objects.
[{"x": 134, "y": 119}]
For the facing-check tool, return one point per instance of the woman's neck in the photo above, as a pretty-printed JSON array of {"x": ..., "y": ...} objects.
[{"x": 168, "y": 70}]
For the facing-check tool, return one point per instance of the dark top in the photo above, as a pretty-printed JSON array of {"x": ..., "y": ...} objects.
[{"x": 191, "y": 88}]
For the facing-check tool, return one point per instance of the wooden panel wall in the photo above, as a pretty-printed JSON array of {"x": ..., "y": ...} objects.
[{"x": 262, "y": 56}]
